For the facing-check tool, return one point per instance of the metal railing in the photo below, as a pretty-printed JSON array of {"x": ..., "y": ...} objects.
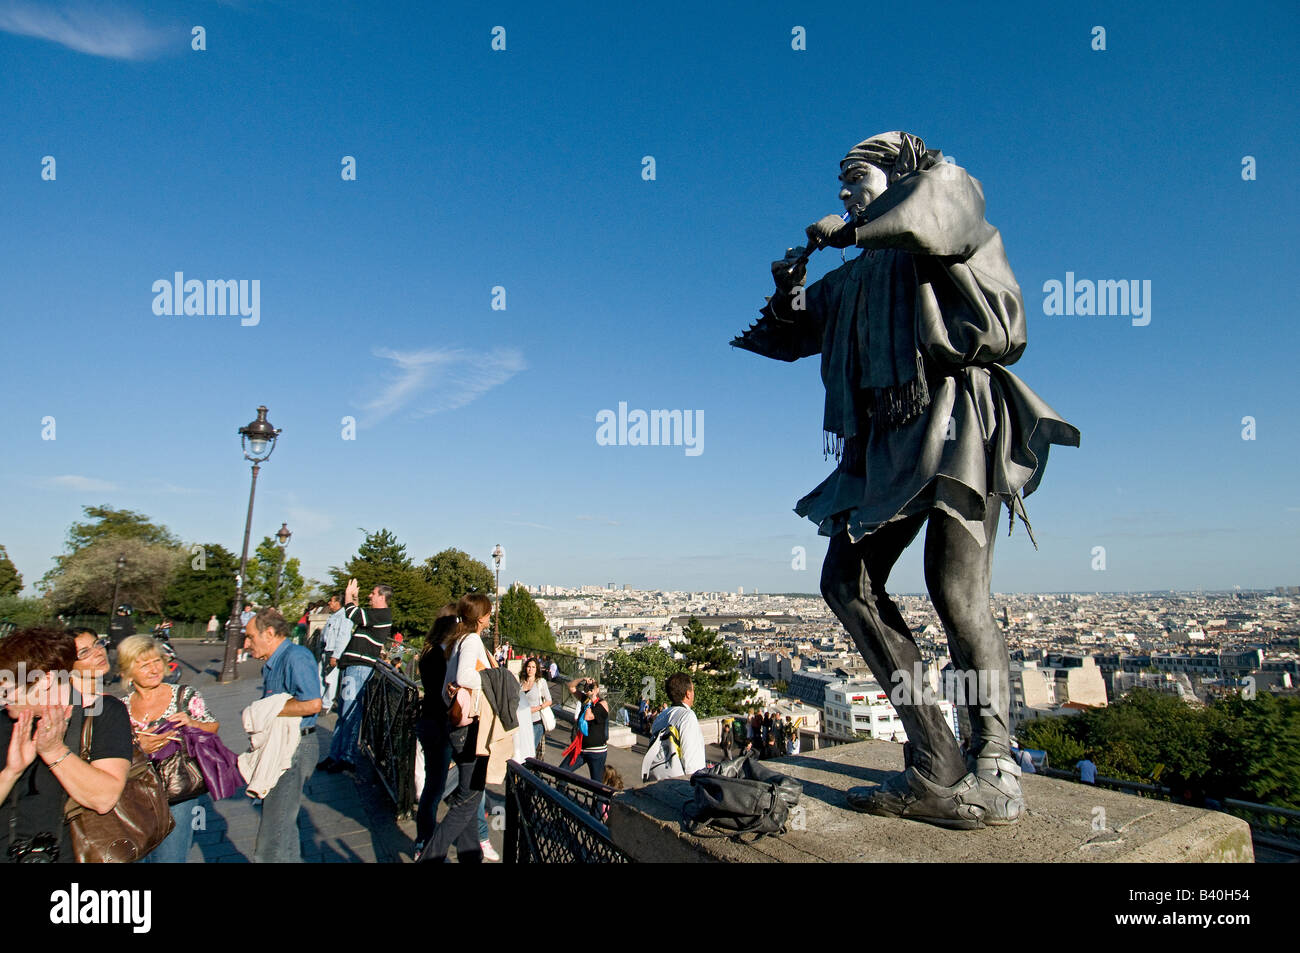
[
  {"x": 555, "y": 817},
  {"x": 389, "y": 726}
]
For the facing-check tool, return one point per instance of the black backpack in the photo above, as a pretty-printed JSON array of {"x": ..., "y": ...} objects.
[{"x": 740, "y": 796}]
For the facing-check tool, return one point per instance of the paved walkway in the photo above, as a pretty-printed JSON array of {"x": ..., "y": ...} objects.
[{"x": 344, "y": 819}]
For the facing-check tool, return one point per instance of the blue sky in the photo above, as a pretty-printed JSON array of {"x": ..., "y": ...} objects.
[{"x": 522, "y": 169}]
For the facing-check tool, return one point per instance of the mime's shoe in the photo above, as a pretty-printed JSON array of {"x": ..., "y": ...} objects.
[
  {"x": 912, "y": 796},
  {"x": 997, "y": 778}
]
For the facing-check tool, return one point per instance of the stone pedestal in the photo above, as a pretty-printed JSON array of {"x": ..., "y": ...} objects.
[{"x": 1065, "y": 823}]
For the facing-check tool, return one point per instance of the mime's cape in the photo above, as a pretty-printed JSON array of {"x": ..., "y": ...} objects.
[{"x": 915, "y": 331}]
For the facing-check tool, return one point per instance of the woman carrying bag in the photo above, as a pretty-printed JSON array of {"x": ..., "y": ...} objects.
[
  {"x": 45, "y": 771},
  {"x": 158, "y": 710},
  {"x": 462, "y": 688}
]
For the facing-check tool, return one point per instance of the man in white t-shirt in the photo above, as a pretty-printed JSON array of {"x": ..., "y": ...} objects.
[{"x": 678, "y": 753}]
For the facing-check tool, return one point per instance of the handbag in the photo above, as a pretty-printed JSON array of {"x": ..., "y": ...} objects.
[
  {"x": 139, "y": 822},
  {"x": 548, "y": 719},
  {"x": 216, "y": 765},
  {"x": 741, "y": 796},
  {"x": 179, "y": 770}
]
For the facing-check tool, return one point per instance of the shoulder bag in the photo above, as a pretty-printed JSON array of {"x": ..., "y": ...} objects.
[
  {"x": 139, "y": 822},
  {"x": 741, "y": 796}
]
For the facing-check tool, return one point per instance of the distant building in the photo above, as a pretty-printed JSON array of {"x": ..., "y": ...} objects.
[
  {"x": 810, "y": 687},
  {"x": 863, "y": 706},
  {"x": 1063, "y": 682}
]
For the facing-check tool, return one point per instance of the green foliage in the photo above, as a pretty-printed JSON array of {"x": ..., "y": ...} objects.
[
  {"x": 522, "y": 623},
  {"x": 711, "y": 667},
  {"x": 1236, "y": 747},
  {"x": 21, "y": 612},
  {"x": 11, "y": 581},
  {"x": 104, "y": 522},
  {"x": 780, "y": 686},
  {"x": 1053, "y": 736},
  {"x": 1255, "y": 749},
  {"x": 458, "y": 573},
  {"x": 203, "y": 587},
  {"x": 382, "y": 560},
  {"x": 642, "y": 672}
]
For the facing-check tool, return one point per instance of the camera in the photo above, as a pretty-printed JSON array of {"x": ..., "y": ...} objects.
[{"x": 38, "y": 849}]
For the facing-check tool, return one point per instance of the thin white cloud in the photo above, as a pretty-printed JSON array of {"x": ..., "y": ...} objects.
[
  {"x": 550, "y": 529},
  {"x": 84, "y": 484},
  {"x": 440, "y": 379},
  {"x": 599, "y": 519},
  {"x": 114, "y": 34}
]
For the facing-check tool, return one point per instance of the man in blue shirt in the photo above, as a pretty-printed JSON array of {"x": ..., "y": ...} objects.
[{"x": 289, "y": 669}]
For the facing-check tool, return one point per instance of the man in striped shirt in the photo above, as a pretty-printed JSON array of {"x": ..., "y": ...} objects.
[{"x": 372, "y": 628}]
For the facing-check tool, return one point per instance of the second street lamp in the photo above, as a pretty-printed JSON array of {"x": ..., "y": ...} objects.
[
  {"x": 283, "y": 537},
  {"x": 497, "y": 555},
  {"x": 258, "y": 442}
]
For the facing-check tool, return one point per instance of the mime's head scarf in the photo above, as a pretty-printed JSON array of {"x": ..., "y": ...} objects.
[{"x": 896, "y": 153}]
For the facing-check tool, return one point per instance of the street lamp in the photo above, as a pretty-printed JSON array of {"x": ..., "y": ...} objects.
[
  {"x": 283, "y": 537},
  {"x": 258, "y": 443},
  {"x": 497, "y": 555},
  {"x": 117, "y": 582}
]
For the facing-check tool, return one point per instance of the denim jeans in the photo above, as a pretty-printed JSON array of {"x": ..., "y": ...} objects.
[
  {"x": 277, "y": 834},
  {"x": 176, "y": 848},
  {"x": 348, "y": 729},
  {"x": 538, "y": 734},
  {"x": 439, "y": 782},
  {"x": 595, "y": 761},
  {"x": 458, "y": 826}
]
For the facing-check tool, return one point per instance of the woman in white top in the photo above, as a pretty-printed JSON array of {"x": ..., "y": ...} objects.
[
  {"x": 534, "y": 696},
  {"x": 466, "y": 657}
]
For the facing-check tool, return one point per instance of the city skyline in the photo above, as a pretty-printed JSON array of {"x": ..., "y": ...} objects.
[{"x": 501, "y": 275}]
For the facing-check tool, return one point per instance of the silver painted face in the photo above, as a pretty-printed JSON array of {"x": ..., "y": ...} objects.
[{"x": 861, "y": 184}]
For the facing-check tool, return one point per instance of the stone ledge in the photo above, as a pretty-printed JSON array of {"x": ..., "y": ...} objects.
[{"x": 1058, "y": 827}]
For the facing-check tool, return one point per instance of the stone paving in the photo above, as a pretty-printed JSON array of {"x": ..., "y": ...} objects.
[{"x": 344, "y": 819}]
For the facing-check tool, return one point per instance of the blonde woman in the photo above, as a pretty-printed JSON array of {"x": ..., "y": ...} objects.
[{"x": 151, "y": 702}]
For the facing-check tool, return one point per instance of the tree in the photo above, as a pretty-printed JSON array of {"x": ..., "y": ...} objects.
[
  {"x": 458, "y": 572},
  {"x": 522, "y": 623},
  {"x": 105, "y": 525},
  {"x": 85, "y": 580},
  {"x": 641, "y": 673},
  {"x": 382, "y": 560},
  {"x": 713, "y": 670},
  {"x": 11, "y": 581},
  {"x": 106, "y": 522},
  {"x": 259, "y": 581},
  {"x": 644, "y": 673},
  {"x": 203, "y": 587}
]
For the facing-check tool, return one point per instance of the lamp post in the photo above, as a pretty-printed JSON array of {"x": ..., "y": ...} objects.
[
  {"x": 283, "y": 537},
  {"x": 497, "y": 555},
  {"x": 257, "y": 440},
  {"x": 117, "y": 583}
]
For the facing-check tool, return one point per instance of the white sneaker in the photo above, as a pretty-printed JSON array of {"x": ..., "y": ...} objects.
[{"x": 488, "y": 852}]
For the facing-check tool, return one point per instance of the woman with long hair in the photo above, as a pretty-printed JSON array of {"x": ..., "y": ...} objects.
[
  {"x": 462, "y": 690},
  {"x": 534, "y": 697},
  {"x": 432, "y": 728}
]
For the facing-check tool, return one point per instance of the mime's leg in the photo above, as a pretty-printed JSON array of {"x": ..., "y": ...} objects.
[
  {"x": 853, "y": 584},
  {"x": 958, "y": 573}
]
